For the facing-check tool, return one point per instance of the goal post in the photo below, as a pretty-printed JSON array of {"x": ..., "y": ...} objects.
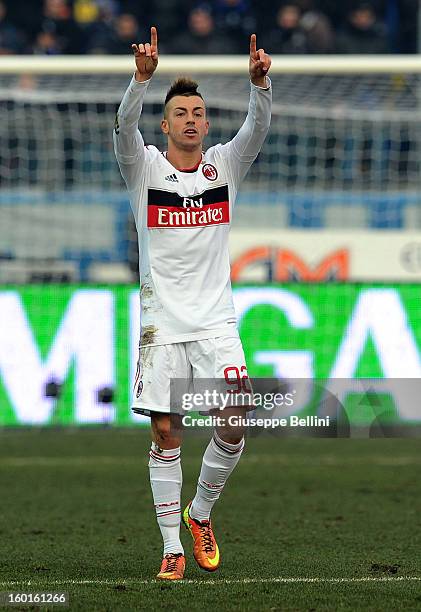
[{"x": 213, "y": 64}]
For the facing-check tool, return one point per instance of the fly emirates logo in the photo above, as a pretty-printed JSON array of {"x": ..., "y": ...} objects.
[
  {"x": 169, "y": 209},
  {"x": 191, "y": 215}
]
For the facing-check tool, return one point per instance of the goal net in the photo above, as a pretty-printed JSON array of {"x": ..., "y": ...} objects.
[{"x": 343, "y": 153}]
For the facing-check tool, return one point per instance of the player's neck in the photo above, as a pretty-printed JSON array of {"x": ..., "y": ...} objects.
[{"x": 184, "y": 159}]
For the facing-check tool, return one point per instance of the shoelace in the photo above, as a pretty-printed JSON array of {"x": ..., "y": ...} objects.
[
  {"x": 206, "y": 537},
  {"x": 171, "y": 560}
]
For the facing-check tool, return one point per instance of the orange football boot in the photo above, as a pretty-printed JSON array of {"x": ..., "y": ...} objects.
[
  {"x": 205, "y": 548},
  {"x": 173, "y": 566}
]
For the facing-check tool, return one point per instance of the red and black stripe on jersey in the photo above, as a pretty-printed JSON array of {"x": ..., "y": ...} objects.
[{"x": 170, "y": 209}]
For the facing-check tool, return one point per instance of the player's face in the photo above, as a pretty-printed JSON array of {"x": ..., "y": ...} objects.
[{"x": 185, "y": 122}]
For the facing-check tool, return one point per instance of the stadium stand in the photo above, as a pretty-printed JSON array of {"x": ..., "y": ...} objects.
[{"x": 298, "y": 26}]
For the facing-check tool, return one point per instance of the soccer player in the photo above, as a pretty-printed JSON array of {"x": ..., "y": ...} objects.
[{"x": 183, "y": 202}]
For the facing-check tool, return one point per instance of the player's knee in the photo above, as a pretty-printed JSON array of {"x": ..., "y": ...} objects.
[
  {"x": 231, "y": 437},
  {"x": 165, "y": 432},
  {"x": 233, "y": 428}
]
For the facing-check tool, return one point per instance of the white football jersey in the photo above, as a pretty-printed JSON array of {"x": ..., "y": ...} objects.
[{"x": 183, "y": 219}]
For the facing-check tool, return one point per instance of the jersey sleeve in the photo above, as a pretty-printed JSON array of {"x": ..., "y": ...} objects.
[
  {"x": 129, "y": 147},
  {"x": 240, "y": 152}
]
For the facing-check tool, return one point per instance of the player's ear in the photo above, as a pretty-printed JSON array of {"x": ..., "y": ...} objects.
[
  {"x": 164, "y": 126},
  {"x": 206, "y": 127}
]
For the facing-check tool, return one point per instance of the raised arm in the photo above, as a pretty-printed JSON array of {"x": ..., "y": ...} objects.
[
  {"x": 128, "y": 142},
  {"x": 248, "y": 141}
]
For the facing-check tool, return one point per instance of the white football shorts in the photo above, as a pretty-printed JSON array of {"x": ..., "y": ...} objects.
[{"x": 219, "y": 358}]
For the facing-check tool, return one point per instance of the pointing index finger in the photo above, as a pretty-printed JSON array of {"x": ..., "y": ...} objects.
[
  {"x": 253, "y": 45},
  {"x": 154, "y": 37}
]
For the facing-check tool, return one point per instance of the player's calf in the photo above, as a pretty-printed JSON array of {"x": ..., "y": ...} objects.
[{"x": 166, "y": 430}]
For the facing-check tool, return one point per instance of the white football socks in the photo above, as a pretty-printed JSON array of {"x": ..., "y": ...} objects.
[
  {"x": 166, "y": 479},
  {"x": 218, "y": 462}
]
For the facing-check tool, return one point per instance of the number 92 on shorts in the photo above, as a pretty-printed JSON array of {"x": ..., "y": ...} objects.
[{"x": 218, "y": 359}]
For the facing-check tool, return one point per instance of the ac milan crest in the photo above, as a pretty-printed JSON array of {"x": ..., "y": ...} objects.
[{"x": 210, "y": 172}]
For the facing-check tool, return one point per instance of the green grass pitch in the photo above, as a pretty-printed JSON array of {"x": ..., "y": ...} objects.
[{"x": 76, "y": 516}]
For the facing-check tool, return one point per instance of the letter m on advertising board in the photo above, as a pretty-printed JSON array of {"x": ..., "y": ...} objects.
[
  {"x": 84, "y": 339},
  {"x": 285, "y": 265}
]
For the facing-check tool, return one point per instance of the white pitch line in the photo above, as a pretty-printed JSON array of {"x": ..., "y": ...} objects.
[
  {"x": 221, "y": 581},
  {"x": 97, "y": 461}
]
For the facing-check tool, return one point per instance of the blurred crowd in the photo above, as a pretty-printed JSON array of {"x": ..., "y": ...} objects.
[{"x": 52, "y": 27}]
